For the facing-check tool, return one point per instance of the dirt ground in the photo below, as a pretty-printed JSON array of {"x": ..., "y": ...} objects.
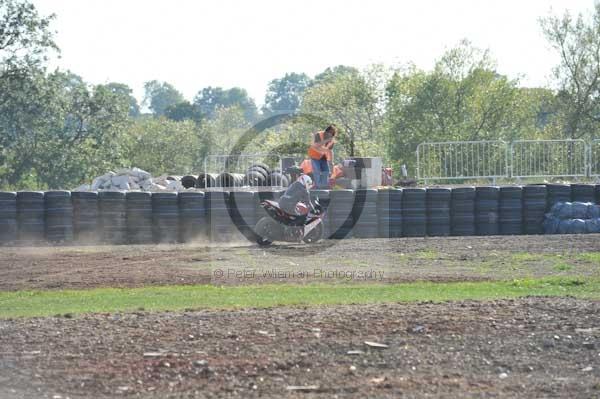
[
  {"x": 433, "y": 259},
  {"x": 532, "y": 347}
]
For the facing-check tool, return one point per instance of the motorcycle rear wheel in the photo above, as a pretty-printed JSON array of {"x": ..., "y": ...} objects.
[{"x": 267, "y": 230}]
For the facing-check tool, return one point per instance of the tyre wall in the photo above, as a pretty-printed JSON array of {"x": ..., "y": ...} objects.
[{"x": 117, "y": 217}]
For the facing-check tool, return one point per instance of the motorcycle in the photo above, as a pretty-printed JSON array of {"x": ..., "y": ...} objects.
[{"x": 281, "y": 226}]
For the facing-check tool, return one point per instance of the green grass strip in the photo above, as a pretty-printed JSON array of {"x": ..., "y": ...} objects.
[{"x": 49, "y": 303}]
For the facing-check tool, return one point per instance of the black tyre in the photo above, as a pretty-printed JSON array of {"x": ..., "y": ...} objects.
[{"x": 267, "y": 230}]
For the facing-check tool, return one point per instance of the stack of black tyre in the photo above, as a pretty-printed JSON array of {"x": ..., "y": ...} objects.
[
  {"x": 389, "y": 212},
  {"x": 192, "y": 216},
  {"x": 278, "y": 179},
  {"x": 189, "y": 181},
  {"x": 340, "y": 216},
  {"x": 220, "y": 225},
  {"x": 323, "y": 196},
  {"x": 511, "y": 210},
  {"x": 583, "y": 193},
  {"x": 113, "y": 217},
  {"x": 85, "y": 216},
  {"x": 534, "y": 208},
  {"x": 206, "y": 180},
  {"x": 257, "y": 175},
  {"x": 462, "y": 211},
  {"x": 8, "y": 217},
  {"x": 438, "y": 211},
  {"x": 165, "y": 217},
  {"x": 139, "y": 217},
  {"x": 31, "y": 217},
  {"x": 557, "y": 193},
  {"x": 243, "y": 211},
  {"x": 414, "y": 212},
  {"x": 364, "y": 212},
  {"x": 487, "y": 203},
  {"x": 230, "y": 180},
  {"x": 59, "y": 216}
]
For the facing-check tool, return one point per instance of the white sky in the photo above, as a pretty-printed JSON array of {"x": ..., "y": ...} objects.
[{"x": 193, "y": 43}]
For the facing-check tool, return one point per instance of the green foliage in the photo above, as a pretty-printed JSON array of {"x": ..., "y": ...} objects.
[
  {"x": 210, "y": 99},
  {"x": 577, "y": 41},
  {"x": 463, "y": 98},
  {"x": 56, "y": 130},
  {"x": 122, "y": 89},
  {"x": 353, "y": 101},
  {"x": 160, "y": 95},
  {"x": 25, "y": 36},
  {"x": 183, "y": 111},
  {"x": 160, "y": 145},
  {"x": 285, "y": 94}
]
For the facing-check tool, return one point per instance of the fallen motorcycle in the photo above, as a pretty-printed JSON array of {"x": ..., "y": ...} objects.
[{"x": 281, "y": 226}]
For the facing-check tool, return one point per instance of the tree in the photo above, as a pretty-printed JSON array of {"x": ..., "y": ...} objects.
[
  {"x": 25, "y": 37},
  {"x": 210, "y": 99},
  {"x": 353, "y": 102},
  {"x": 159, "y": 145},
  {"x": 577, "y": 40},
  {"x": 285, "y": 94},
  {"x": 463, "y": 98},
  {"x": 184, "y": 111},
  {"x": 160, "y": 95},
  {"x": 125, "y": 91},
  {"x": 56, "y": 130},
  {"x": 331, "y": 73}
]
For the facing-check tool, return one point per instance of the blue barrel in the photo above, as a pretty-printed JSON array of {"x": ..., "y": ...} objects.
[
  {"x": 511, "y": 210},
  {"x": 557, "y": 193},
  {"x": 414, "y": 212},
  {"x": 221, "y": 227},
  {"x": 364, "y": 213},
  {"x": 389, "y": 212},
  {"x": 31, "y": 217},
  {"x": 192, "y": 216},
  {"x": 243, "y": 211},
  {"x": 113, "y": 217},
  {"x": 583, "y": 193},
  {"x": 165, "y": 217},
  {"x": 8, "y": 217},
  {"x": 534, "y": 208},
  {"x": 462, "y": 211},
  {"x": 487, "y": 204},
  {"x": 340, "y": 216},
  {"x": 86, "y": 225},
  {"x": 139, "y": 217},
  {"x": 59, "y": 217},
  {"x": 323, "y": 197},
  {"x": 438, "y": 211}
]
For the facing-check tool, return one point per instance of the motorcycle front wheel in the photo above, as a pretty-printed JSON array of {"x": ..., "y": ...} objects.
[{"x": 315, "y": 235}]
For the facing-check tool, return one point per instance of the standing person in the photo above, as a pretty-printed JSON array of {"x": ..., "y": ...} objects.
[{"x": 320, "y": 155}]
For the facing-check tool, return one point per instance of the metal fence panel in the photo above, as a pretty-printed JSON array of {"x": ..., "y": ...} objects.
[
  {"x": 462, "y": 160},
  {"x": 548, "y": 158},
  {"x": 594, "y": 158}
]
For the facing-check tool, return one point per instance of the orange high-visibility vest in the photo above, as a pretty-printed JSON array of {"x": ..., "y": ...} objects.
[
  {"x": 306, "y": 166},
  {"x": 317, "y": 153}
]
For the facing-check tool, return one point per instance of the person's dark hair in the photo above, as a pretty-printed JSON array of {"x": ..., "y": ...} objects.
[{"x": 331, "y": 129}]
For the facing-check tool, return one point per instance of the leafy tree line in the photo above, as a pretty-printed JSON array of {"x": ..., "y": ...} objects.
[{"x": 57, "y": 131}]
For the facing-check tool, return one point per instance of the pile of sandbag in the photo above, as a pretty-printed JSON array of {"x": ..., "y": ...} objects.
[
  {"x": 133, "y": 179},
  {"x": 573, "y": 218}
]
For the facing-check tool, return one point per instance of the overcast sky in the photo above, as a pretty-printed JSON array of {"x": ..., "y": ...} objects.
[{"x": 193, "y": 44}]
